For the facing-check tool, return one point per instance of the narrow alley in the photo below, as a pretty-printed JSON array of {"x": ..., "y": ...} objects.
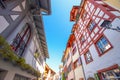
[{"x": 59, "y": 39}]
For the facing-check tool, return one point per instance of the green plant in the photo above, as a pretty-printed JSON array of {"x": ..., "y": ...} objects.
[
  {"x": 5, "y": 56},
  {"x": 63, "y": 76},
  {"x": 36, "y": 55},
  {"x": 7, "y": 53},
  {"x": 20, "y": 61},
  {"x": 5, "y": 50}
]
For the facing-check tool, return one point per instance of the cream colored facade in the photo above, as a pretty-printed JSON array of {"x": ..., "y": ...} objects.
[
  {"x": 97, "y": 36},
  {"x": 113, "y": 3},
  {"x": 72, "y": 67}
]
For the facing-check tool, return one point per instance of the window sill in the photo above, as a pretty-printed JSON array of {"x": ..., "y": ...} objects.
[{"x": 105, "y": 52}]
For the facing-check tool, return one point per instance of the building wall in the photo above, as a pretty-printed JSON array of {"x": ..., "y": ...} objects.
[
  {"x": 78, "y": 73},
  {"x": 76, "y": 54},
  {"x": 71, "y": 75},
  {"x": 12, "y": 19},
  {"x": 69, "y": 59},
  {"x": 112, "y": 56},
  {"x": 31, "y": 47},
  {"x": 14, "y": 12},
  {"x": 12, "y": 70}
]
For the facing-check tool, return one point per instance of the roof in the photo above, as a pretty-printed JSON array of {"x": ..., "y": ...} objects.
[
  {"x": 36, "y": 8},
  {"x": 48, "y": 68},
  {"x": 43, "y": 5},
  {"x": 41, "y": 34},
  {"x": 46, "y": 5}
]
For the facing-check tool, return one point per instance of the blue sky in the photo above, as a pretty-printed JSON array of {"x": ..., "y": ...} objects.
[{"x": 57, "y": 30}]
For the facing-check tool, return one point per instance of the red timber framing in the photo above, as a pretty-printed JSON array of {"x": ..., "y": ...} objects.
[
  {"x": 73, "y": 13},
  {"x": 93, "y": 12}
]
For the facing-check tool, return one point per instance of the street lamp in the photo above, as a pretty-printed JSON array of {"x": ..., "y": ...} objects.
[{"x": 107, "y": 24}]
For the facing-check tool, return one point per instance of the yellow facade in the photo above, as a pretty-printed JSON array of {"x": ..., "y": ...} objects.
[
  {"x": 113, "y": 3},
  {"x": 67, "y": 51}
]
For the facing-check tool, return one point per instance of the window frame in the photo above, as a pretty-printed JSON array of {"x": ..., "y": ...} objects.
[
  {"x": 110, "y": 68},
  {"x": 74, "y": 50},
  {"x": 24, "y": 39},
  {"x": 75, "y": 64},
  {"x": 91, "y": 23},
  {"x": 85, "y": 57},
  {"x": 81, "y": 39},
  {"x": 98, "y": 50}
]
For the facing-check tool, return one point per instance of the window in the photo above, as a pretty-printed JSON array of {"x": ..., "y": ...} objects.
[
  {"x": 88, "y": 57},
  {"x": 76, "y": 64},
  {"x": 111, "y": 75},
  {"x": 3, "y": 74},
  {"x": 77, "y": 16},
  {"x": 20, "y": 41},
  {"x": 82, "y": 39},
  {"x": 73, "y": 44},
  {"x": 69, "y": 67},
  {"x": 84, "y": 15},
  {"x": 103, "y": 45},
  {"x": 91, "y": 26},
  {"x": 74, "y": 50},
  {"x": 106, "y": 24}
]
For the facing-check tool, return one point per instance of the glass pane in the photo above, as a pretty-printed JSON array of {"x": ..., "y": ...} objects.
[
  {"x": 100, "y": 47},
  {"x": 103, "y": 45},
  {"x": 117, "y": 72},
  {"x": 88, "y": 57},
  {"x": 91, "y": 26}
]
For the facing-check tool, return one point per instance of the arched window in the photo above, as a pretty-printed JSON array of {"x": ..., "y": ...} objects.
[{"x": 21, "y": 40}]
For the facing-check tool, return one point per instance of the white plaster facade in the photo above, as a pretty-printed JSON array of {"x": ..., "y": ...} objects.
[
  {"x": 10, "y": 26},
  {"x": 97, "y": 12}
]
